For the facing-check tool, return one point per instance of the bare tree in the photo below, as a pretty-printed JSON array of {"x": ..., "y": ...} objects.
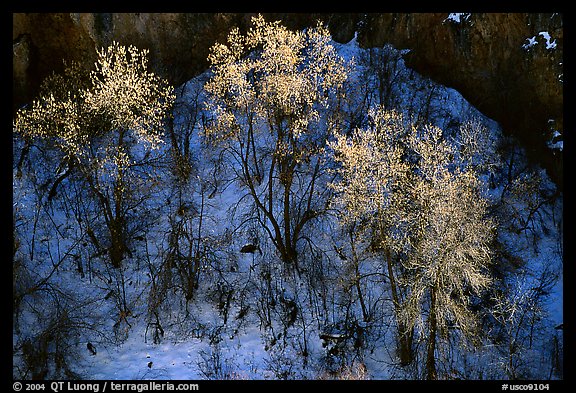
[
  {"x": 273, "y": 83},
  {"x": 426, "y": 214},
  {"x": 451, "y": 254},
  {"x": 370, "y": 192},
  {"x": 105, "y": 127}
]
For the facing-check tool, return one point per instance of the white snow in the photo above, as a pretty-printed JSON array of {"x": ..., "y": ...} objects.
[
  {"x": 457, "y": 17},
  {"x": 558, "y": 144},
  {"x": 531, "y": 42},
  {"x": 549, "y": 43}
]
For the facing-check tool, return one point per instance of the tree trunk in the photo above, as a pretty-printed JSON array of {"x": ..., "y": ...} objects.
[
  {"x": 432, "y": 325},
  {"x": 289, "y": 256},
  {"x": 116, "y": 224},
  {"x": 117, "y": 246},
  {"x": 404, "y": 336},
  {"x": 252, "y": 143}
]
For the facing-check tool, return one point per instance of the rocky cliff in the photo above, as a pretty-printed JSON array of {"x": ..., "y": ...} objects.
[{"x": 508, "y": 65}]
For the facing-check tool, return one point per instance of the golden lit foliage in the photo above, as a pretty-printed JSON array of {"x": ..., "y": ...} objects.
[
  {"x": 130, "y": 96},
  {"x": 372, "y": 170},
  {"x": 274, "y": 74},
  {"x": 120, "y": 96},
  {"x": 406, "y": 181}
]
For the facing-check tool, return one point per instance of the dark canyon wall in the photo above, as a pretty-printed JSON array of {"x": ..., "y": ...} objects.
[
  {"x": 507, "y": 65},
  {"x": 486, "y": 57}
]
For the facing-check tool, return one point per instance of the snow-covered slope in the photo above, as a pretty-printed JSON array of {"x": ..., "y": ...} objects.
[{"x": 219, "y": 333}]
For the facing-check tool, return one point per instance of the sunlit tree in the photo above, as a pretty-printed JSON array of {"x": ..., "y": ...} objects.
[
  {"x": 105, "y": 127},
  {"x": 371, "y": 196},
  {"x": 451, "y": 255},
  {"x": 270, "y": 92},
  {"x": 425, "y": 210}
]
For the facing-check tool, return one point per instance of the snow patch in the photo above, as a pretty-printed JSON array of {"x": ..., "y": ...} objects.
[
  {"x": 458, "y": 17},
  {"x": 533, "y": 41},
  {"x": 549, "y": 43},
  {"x": 556, "y": 141}
]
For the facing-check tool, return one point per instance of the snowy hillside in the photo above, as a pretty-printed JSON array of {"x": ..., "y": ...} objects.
[{"x": 243, "y": 314}]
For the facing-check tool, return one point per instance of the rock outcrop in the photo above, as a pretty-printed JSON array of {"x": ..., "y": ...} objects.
[
  {"x": 178, "y": 43},
  {"x": 508, "y": 65}
]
